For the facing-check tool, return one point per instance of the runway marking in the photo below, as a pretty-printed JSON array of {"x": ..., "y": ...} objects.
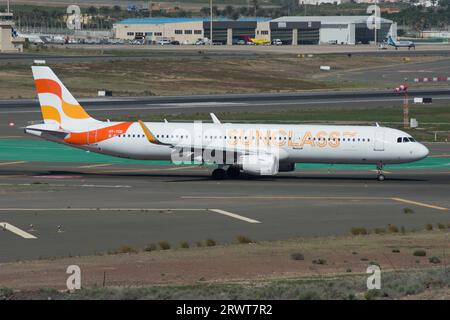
[
  {"x": 285, "y": 197},
  {"x": 96, "y": 165},
  {"x": 10, "y": 137},
  {"x": 384, "y": 171},
  {"x": 233, "y": 215},
  {"x": 421, "y": 204},
  {"x": 10, "y": 163},
  {"x": 13, "y": 229},
  {"x": 149, "y": 170},
  {"x": 180, "y": 168},
  {"x": 220, "y": 211},
  {"x": 203, "y": 104}
]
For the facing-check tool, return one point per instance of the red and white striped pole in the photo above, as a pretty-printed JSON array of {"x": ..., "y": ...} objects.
[{"x": 404, "y": 89}]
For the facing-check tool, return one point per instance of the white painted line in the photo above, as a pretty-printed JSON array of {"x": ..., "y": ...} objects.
[
  {"x": 96, "y": 165},
  {"x": 180, "y": 168},
  {"x": 9, "y": 163},
  {"x": 101, "y": 209},
  {"x": 204, "y": 104},
  {"x": 223, "y": 212},
  {"x": 13, "y": 229},
  {"x": 420, "y": 204},
  {"x": 233, "y": 215}
]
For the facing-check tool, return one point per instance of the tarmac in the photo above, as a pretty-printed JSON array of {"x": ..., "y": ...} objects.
[{"x": 76, "y": 203}]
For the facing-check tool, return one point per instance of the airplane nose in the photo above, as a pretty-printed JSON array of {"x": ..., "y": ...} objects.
[{"x": 422, "y": 151}]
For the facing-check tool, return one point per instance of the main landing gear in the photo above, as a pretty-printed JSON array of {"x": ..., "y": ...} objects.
[
  {"x": 231, "y": 172},
  {"x": 380, "y": 175}
]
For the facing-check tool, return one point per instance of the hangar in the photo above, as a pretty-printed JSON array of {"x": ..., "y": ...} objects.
[
  {"x": 291, "y": 30},
  {"x": 330, "y": 29},
  {"x": 187, "y": 30}
]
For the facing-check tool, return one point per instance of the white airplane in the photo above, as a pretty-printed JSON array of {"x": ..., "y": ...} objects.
[
  {"x": 400, "y": 44},
  {"x": 32, "y": 38},
  {"x": 256, "y": 149}
]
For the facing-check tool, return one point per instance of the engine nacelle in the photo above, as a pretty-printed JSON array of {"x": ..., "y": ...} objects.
[
  {"x": 286, "y": 166},
  {"x": 262, "y": 164}
]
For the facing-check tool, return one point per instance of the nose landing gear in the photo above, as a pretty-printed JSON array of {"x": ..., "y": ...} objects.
[{"x": 380, "y": 175}]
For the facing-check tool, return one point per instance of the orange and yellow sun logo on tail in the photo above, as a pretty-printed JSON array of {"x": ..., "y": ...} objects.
[{"x": 58, "y": 106}]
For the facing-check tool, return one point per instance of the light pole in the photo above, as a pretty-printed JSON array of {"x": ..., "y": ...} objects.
[{"x": 211, "y": 22}]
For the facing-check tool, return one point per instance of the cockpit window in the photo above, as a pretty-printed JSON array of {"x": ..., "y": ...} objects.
[{"x": 405, "y": 139}]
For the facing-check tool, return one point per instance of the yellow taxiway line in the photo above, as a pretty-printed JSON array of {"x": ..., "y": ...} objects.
[
  {"x": 10, "y": 163},
  {"x": 96, "y": 165}
]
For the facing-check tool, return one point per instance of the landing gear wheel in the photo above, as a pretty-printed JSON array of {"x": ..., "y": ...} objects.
[
  {"x": 380, "y": 175},
  {"x": 218, "y": 174},
  {"x": 233, "y": 172}
]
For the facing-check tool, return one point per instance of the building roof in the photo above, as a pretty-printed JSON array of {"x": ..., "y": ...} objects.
[
  {"x": 328, "y": 19},
  {"x": 180, "y": 20}
]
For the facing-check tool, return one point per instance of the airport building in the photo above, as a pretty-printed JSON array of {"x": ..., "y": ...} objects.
[
  {"x": 186, "y": 30},
  {"x": 330, "y": 29},
  {"x": 9, "y": 41},
  {"x": 290, "y": 30}
]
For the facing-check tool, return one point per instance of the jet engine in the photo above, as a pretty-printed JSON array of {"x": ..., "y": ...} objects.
[{"x": 260, "y": 164}]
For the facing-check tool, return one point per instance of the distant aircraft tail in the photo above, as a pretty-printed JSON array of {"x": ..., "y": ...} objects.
[
  {"x": 58, "y": 106},
  {"x": 391, "y": 41}
]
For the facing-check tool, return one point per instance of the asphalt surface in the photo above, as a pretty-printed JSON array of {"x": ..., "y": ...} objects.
[{"x": 82, "y": 208}]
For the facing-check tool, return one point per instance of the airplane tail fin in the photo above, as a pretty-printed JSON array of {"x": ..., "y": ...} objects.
[
  {"x": 390, "y": 40},
  {"x": 58, "y": 106}
]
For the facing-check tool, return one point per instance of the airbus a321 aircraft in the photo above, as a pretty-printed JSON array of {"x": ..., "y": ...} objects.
[{"x": 256, "y": 149}]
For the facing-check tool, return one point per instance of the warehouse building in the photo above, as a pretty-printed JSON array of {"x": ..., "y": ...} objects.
[
  {"x": 330, "y": 29},
  {"x": 186, "y": 30},
  {"x": 290, "y": 30}
]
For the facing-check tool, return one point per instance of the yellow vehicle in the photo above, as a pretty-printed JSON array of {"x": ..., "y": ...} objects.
[{"x": 259, "y": 41}]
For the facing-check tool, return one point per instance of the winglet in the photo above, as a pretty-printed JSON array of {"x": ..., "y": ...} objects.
[
  {"x": 214, "y": 118},
  {"x": 150, "y": 136}
]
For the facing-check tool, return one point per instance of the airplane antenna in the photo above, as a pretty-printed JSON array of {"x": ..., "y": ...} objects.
[
  {"x": 376, "y": 123},
  {"x": 214, "y": 118}
]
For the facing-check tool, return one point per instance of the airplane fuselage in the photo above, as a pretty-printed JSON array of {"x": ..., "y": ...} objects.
[{"x": 294, "y": 143}]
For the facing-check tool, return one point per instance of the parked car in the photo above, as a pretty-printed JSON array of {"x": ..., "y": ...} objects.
[
  {"x": 277, "y": 42},
  {"x": 163, "y": 42},
  {"x": 175, "y": 43}
]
